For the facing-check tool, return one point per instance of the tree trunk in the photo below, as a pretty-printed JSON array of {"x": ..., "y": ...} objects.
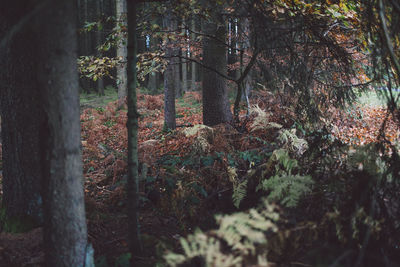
[
  {"x": 153, "y": 76},
  {"x": 44, "y": 101},
  {"x": 170, "y": 79},
  {"x": 184, "y": 64},
  {"x": 22, "y": 116},
  {"x": 178, "y": 63},
  {"x": 194, "y": 64},
  {"x": 122, "y": 52},
  {"x": 65, "y": 233},
  {"x": 216, "y": 107},
  {"x": 99, "y": 39},
  {"x": 132, "y": 125}
]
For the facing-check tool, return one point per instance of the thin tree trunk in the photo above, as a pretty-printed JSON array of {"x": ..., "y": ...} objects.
[
  {"x": 194, "y": 65},
  {"x": 132, "y": 125},
  {"x": 184, "y": 64},
  {"x": 99, "y": 35},
  {"x": 122, "y": 52},
  {"x": 170, "y": 79},
  {"x": 153, "y": 76},
  {"x": 178, "y": 63}
]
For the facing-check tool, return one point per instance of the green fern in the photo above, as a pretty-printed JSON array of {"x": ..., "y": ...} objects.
[
  {"x": 239, "y": 193},
  {"x": 287, "y": 188},
  {"x": 242, "y": 232},
  {"x": 281, "y": 156},
  {"x": 284, "y": 186}
]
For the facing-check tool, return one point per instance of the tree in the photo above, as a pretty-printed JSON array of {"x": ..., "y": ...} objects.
[
  {"x": 194, "y": 64},
  {"x": 52, "y": 80},
  {"x": 98, "y": 42},
  {"x": 184, "y": 65},
  {"x": 132, "y": 125},
  {"x": 216, "y": 108},
  {"x": 65, "y": 231},
  {"x": 22, "y": 117},
  {"x": 170, "y": 76},
  {"x": 121, "y": 51}
]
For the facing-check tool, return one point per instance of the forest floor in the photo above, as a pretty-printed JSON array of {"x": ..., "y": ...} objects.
[{"x": 178, "y": 191}]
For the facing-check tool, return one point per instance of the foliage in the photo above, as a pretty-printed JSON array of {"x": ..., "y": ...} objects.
[
  {"x": 95, "y": 68},
  {"x": 242, "y": 232},
  {"x": 261, "y": 120},
  {"x": 292, "y": 142},
  {"x": 285, "y": 187}
]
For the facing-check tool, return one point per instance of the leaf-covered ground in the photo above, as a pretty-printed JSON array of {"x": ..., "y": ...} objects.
[{"x": 177, "y": 189}]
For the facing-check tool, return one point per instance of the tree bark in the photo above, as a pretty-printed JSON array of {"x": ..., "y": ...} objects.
[
  {"x": 132, "y": 125},
  {"x": 43, "y": 134},
  {"x": 170, "y": 80},
  {"x": 122, "y": 52},
  {"x": 65, "y": 233},
  {"x": 216, "y": 107},
  {"x": 22, "y": 116}
]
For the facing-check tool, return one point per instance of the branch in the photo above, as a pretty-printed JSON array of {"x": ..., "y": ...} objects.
[
  {"x": 204, "y": 66},
  {"x": 389, "y": 44},
  {"x": 248, "y": 67}
]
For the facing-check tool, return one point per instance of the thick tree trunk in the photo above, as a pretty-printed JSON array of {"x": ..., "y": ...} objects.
[
  {"x": 216, "y": 107},
  {"x": 132, "y": 125},
  {"x": 65, "y": 234},
  {"x": 43, "y": 128},
  {"x": 170, "y": 79},
  {"x": 122, "y": 52},
  {"x": 22, "y": 116}
]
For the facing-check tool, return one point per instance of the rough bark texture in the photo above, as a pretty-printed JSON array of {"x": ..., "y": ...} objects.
[
  {"x": 122, "y": 51},
  {"x": 216, "y": 108},
  {"x": 65, "y": 233},
  {"x": 170, "y": 80},
  {"x": 132, "y": 125},
  {"x": 40, "y": 110},
  {"x": 22, "y": 115}
]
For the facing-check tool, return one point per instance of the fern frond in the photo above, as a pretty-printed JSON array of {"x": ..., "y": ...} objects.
[
  {"x": 291, "y": 141},
  {"x": 241, "y": 231},
  {"x": 261, "y": 119},
  {"x": 239, "y": 193},
  {"x": 286, "y": 188}
]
